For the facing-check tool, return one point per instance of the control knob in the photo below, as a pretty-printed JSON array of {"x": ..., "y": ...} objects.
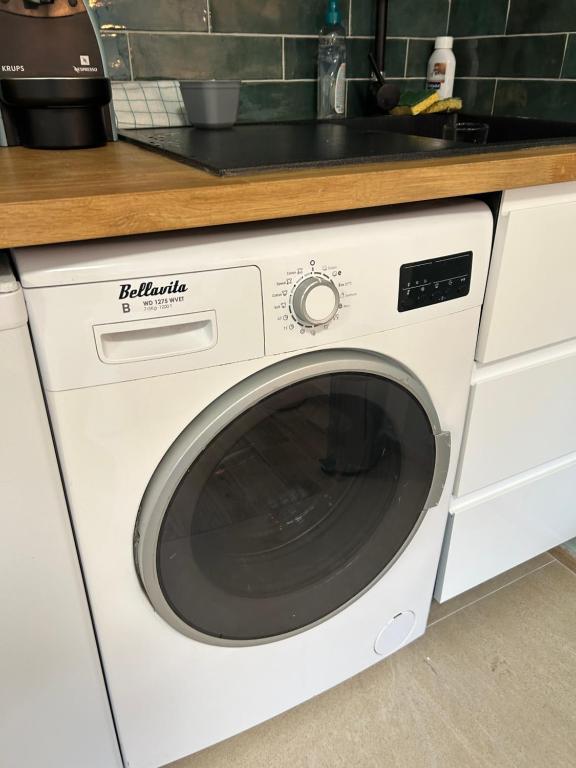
[{"x": 315, "y": 301}]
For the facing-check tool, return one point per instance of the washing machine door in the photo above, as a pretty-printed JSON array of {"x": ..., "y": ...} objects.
[{"x": 289, "y": 496}]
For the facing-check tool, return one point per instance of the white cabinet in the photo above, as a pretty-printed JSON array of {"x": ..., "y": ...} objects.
[
  {"x": 507, "y": 524},
  {"x": 54, "y": 711},
  {"x": 515, "y": 491},
  {"x": 530, "y": 298},
  {"x": 521, "y": 415}
]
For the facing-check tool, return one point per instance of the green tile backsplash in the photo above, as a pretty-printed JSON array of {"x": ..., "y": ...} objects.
[
  {"x": 477, "y": 95},
  {"x": 357, "y": 57},
  {"x": 408, "y": 18},
  {"x": 569, "y": 68},
  {"x": 478, "y": 17},
  {"x": 271, "y": 17},
  {"x": 513, "y": 56},
  {"x": 300, "y": 58},
  {"x": 418, "y": 54},
  {"x": 117, "y": 56},
  {"x": 539, "y": 56},
  {"x": 200, "y": 57},
  {"x": 271, "y": 45},
  {"x": 524, "y": 48},
  {"x": 167, "y": 15},
  {"x": 278, "y": 101},
  {"x": 531, "y": 98},
  {"x": 528, "y": 16}
]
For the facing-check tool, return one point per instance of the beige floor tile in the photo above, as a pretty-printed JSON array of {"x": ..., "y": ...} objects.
[
  {"x": 492, "y": 686},
  {"x": 439, "y": 611},
  {"x": 565, "y": 556}
]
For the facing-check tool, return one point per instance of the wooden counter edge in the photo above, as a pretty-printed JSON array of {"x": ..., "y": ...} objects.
[{"x": 205, "y": 201}]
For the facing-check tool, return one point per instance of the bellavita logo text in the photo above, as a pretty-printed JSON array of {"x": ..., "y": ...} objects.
[{"x": 149, "y": 289}]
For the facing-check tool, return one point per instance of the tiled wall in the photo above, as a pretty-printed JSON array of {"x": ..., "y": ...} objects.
[
  {"x": 518, "y": 57},
  {"x": 270, "y": 45},
  {"x": 513, "y": 56}
]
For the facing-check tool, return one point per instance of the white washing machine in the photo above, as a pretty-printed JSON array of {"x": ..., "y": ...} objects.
[{"x": 258, "y": 428}]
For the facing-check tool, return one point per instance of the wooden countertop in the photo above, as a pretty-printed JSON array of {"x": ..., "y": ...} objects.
[{"x": 56, "y": 196}]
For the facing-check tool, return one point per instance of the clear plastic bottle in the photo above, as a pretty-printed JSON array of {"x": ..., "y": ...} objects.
[{"x": 332, "y": 66}]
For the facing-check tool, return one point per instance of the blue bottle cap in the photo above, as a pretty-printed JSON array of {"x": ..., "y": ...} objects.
[{"x": 333, "y": 13}]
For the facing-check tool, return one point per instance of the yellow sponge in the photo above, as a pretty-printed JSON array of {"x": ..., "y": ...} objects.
[
  {"x": 453, "y": 104},
  {"x": 414, "y": 102}
]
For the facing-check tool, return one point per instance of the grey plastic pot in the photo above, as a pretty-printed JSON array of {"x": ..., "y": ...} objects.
[{"x": 211, "y": 104}]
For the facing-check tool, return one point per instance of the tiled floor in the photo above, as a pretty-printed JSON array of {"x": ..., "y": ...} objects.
[
  {"x": 492, "y": 684},
  {"x": 567, "y": 554}
]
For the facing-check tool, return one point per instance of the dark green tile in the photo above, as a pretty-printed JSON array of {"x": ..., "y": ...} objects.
[
  {"x": 171, "y": 15},
  {"x": 272, "y": 16},
  {"x": 396, "y": 58},
  {"x": 418, "y": 54},
  {"x": 409, "y": 83},
  {"x": 359, "y": 65},
  {"x": 408, "y": 18},
  {"x": 363, "y": 17},
  {"x": 272, "y": 102},
  {"x": 478, "y": 17},
  {"x": 569, "y": 68},
  {"x": 477, "y": 95},
  {"x": 300, "y": 57},
  {"x": 301, "y": 54},
  {"x": 198, "y": 57},
  {"x": 361, "y": 102},
  {"x": 538, "y": 56},
  {"x": 541, "y": 16},
  {"x": 530, "y": 98},
  {"x": 115, "y": 46},
  {"x": 415, "y": 18}
]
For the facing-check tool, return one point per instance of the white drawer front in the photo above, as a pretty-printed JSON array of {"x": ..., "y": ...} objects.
[
  {"x": 489, "y": 534},
  {"x": 521, "y": 414},
  {"x": 530, "y": 294}
]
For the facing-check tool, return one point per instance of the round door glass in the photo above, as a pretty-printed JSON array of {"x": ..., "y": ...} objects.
[{"x": 296, "y": 507}]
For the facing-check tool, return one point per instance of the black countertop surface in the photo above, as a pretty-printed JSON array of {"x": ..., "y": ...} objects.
[{"x": 273, "y": 146}]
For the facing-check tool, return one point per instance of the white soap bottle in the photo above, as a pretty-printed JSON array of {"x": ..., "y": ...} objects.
[{"x": 442, "y": 68}]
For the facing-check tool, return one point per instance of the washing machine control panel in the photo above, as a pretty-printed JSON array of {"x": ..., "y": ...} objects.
[
  {"x": 348, "y": 280},
  {"x": 433, "y": 281},
  {"x": 309, "y": 299}
]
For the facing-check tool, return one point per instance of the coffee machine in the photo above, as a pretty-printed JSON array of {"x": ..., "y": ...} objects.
[{"x": 54, "y": 93}]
